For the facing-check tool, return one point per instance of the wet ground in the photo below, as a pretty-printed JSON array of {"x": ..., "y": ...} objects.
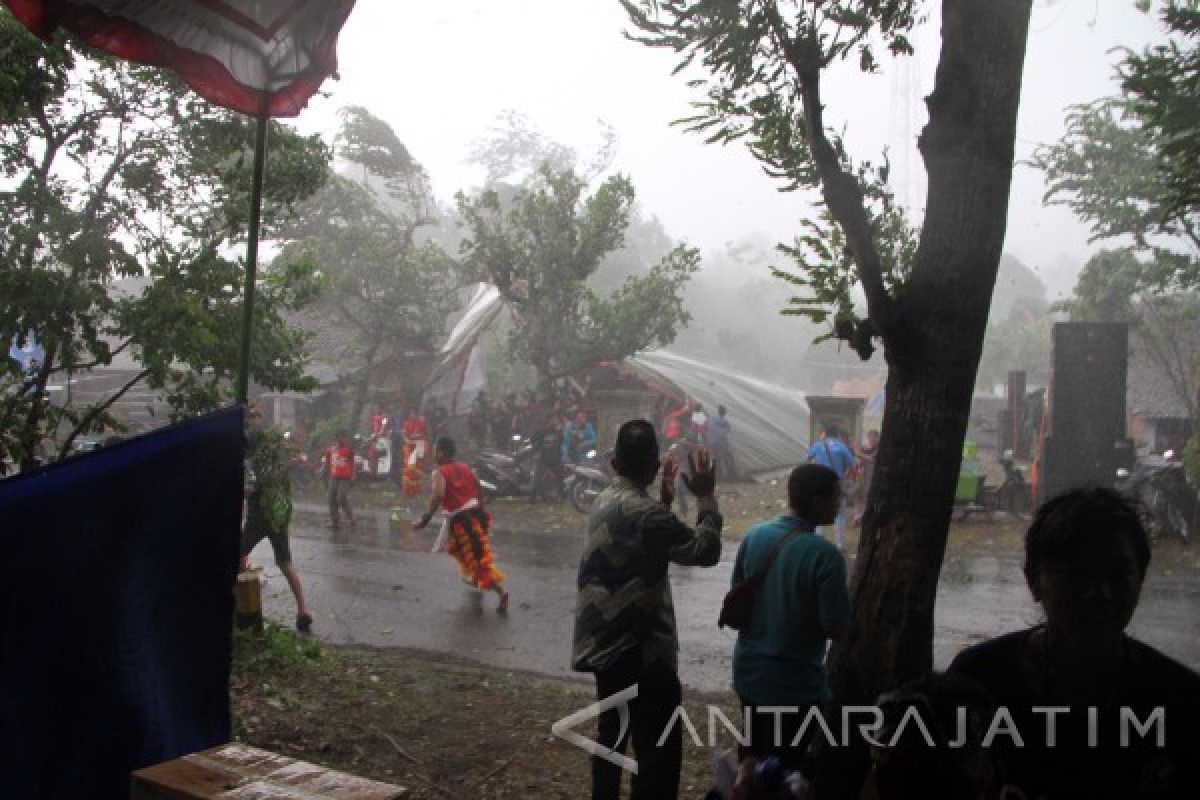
[{"x": 381, "y": 586}]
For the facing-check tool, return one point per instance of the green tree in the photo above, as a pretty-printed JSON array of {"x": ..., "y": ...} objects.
[
  {"x": 1130, "y": 165},
  {"x": 763, "y": 63},
  {"x": 115, "y": 171},
  {"x": 386, "y": 283},
  {"x": 1112, "y": 173},
  {"x": 1163, "y": 87},
  {"x": 540, "y": 249}
]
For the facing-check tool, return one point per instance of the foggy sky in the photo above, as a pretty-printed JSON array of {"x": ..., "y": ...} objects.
[{"x": 440, "y": 73}]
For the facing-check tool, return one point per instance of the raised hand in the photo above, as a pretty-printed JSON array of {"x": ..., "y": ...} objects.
[
  {"x": 701, "y": 479},
  {"x": 666, "y": 491}
]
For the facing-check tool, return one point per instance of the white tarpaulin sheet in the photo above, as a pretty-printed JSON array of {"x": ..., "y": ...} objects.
[{"x": 770, "y": 422}]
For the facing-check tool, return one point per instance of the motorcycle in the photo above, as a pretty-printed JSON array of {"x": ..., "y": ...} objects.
[
  {"x": 373, "y": 458},
  {"x": 511, "y": 474},
  {"x": 1013, "y": 495},
  {"x": 1158, "y": 484},
  {"x": 584, "y": 482}
]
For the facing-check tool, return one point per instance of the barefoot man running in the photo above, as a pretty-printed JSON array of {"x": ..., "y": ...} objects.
[{"x": 456, "y": 492}]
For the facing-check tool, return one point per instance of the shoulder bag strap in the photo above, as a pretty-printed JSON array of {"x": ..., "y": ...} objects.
[{"x": 775, "y": 551}]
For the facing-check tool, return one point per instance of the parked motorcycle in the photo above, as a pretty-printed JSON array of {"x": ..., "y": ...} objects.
[
  {"x": 510, "y": 473},
  {"x": 373, "y": 457},
  {"x": 585, "y": 481},
  {"x": 1013, "y": 494},
  {"x": 1158, "y": 484}
]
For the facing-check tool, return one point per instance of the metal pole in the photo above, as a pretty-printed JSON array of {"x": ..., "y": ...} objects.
[{"x": 260, "y": 157}]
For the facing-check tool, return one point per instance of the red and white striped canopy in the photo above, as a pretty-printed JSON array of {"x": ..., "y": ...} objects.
[{"x": 254, "y": 56}]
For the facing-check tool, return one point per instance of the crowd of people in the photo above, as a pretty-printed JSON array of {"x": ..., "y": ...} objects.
[{"x": 1086, "y": 556}]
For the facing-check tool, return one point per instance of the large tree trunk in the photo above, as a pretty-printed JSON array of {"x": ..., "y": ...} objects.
[{"x": 933, "y": 346}]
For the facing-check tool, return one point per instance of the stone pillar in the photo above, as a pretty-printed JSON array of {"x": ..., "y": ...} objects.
[{"x": 616, "y": 406}]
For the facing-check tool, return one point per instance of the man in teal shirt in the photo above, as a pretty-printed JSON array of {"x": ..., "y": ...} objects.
[{"x": 779, "y": 660}]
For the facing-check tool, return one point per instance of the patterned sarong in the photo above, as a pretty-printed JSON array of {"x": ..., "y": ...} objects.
[
  {"x": 471, "y": 550},
  {"x": 414, "y": 469}
]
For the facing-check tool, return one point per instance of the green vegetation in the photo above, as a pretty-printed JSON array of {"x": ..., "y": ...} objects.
[
  {"x": 540, "y": 243},
  {"x": 115, "y": 171}
]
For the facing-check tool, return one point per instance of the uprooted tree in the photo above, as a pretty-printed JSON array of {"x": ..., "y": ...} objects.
[
  {"x": 765, "y": 60},
  {"x": 115, "y": 171}
]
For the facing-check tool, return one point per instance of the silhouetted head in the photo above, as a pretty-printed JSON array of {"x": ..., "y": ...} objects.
[
  {"x": 636, "y": 453},
  {"x": 814, "y": 494},
  {"x": 581, "y": 418},
  {"x": 832, "y": 431},
  {"x": 445, "y": 450},
  {"x": 1086, "y": 555},
  {"x": 721, "y": 411}
]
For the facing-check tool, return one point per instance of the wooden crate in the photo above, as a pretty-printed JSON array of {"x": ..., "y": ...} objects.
[{"x": 241, "y": 772}]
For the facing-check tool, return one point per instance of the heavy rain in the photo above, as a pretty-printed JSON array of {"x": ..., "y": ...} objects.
[{"x": 599, "y": 399}]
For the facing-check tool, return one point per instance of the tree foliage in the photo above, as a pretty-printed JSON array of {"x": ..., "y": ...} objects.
[
  {"x": 540, "y": 248},
  {"x": 1163, "y": 87},
  {"x": 515, "y": 150},
  {"x": 765, "y": 60},
  {"x": 1130, "y": 165},
  {"x": 389, "y": 286},
  {"x": 115, "y": 171}
]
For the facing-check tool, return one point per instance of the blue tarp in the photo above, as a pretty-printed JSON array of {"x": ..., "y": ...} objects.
[{"x": 116, "y": 576}]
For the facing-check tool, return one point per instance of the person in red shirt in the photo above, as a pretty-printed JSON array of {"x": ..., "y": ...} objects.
[
  {"x": 676, "y": 422},
  {"x": 339, "y": 461},
  {"x": 456, "y": 492},
  {"x": 379, "y": 420},
  {"x": 416, "y": 435}
]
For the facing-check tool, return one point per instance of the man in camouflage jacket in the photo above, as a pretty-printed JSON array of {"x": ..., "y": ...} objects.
[{"x": 625, "y": 620}]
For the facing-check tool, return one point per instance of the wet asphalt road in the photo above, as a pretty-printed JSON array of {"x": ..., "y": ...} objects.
[{"x": 374, "y": 586}]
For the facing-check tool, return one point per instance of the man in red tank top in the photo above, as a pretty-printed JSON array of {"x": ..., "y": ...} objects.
[
  {"x": 339, "y": 460},
  {"x": 456, "y": 492}
]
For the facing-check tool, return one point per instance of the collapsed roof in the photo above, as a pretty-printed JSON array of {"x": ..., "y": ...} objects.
[{"x": 769, "y": 421}]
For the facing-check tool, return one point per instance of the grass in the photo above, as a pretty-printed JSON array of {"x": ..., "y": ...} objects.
[{"x": 441, "y": 727}]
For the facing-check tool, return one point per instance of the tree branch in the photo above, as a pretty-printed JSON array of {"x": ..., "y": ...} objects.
[
  {"x": 95, "y": 411},
  {"x": 841, "y": 191},
  {"x": 1174, "y": 363}
]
